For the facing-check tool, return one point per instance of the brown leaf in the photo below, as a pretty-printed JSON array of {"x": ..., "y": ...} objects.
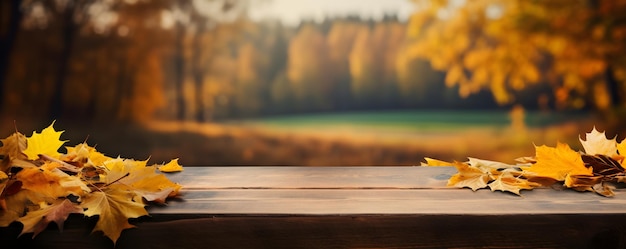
[
  {"x": 603, "y": 165},
  {"x": 37, "y": 221},
  {"x": 604, "y": 189}
]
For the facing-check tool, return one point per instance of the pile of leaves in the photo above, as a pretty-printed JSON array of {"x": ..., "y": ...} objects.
[
  {"x": 600, "y": 168},
  {"x": 39, "y": 185}
]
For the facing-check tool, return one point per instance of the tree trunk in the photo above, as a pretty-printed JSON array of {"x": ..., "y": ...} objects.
[
  {"x": 198, "y": 74},
  {"x": 179, "y": 67},
  {"x": 68, "y": 35},
  {"x": 8, "y": 35},
  {"x": 613, "y": 86}
]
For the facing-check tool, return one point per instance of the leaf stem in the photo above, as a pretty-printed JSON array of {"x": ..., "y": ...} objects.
[{"x": 124, "y": 176}]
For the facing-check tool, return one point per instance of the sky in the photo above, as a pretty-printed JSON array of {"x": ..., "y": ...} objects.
[{"x": 290, "y": 12}]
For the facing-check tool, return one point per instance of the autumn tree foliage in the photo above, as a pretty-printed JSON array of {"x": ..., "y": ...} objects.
[
  {"x": 576, "y": 47},
  {"x": 205, "y": 61}
]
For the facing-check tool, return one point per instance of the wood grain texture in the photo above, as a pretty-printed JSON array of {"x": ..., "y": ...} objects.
[
  {"x": 350, "y": 207},
  {"x": 364, "y": 190},
  {"x": 313, "y": 177},
  {"x": 333, "y": 231}
]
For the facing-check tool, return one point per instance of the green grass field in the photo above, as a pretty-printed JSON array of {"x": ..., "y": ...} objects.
[{"x": 411, "y": 121}]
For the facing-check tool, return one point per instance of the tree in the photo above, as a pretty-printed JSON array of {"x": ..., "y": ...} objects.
[
  {"x": 340, "y": 39},
  {"x": 307, "y": 68},
  {"x": 10, "y": 19},
  {"x": 578, "y": 47},
  {"x": 193, "y": 20}
]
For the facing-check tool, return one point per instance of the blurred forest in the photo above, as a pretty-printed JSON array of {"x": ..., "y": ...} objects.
[{"x": 141, "y": 61}]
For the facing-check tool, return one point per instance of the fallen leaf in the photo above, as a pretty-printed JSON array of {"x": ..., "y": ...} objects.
[
  {"x": 603, "y": 165},
  {"x": 173, "y": 166},
  {"x": 582, "y": 183},
  {"x": 604, "y": 189},
  {"x": 491, "y": 167},
  {"x": 37, "y": 221},
  {"x": 507, "y": 182},
  {"x": 596, "y": 143},
  {"x": 84, "y": 152},
  {"x": 435, "y": 162},
  {"x": 114, "y": 206},
  {"x": 13, "y": 146},
  {"x": 47, "y": 142},
  {"x": 39, "y": 185},
  {"x": 468, "y": 177},
  {"x": 557, "y": 163}
]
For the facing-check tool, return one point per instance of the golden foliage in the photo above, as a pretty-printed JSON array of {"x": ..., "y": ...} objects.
[
  {"x": 506, "y": 46},
  {"x": 42, "y": 185},
  {"x": 596, "y": 169}
]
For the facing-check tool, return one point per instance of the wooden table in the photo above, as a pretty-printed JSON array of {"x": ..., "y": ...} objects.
[{"x": 352, "y": 207}]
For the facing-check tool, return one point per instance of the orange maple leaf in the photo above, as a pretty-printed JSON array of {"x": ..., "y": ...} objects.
[{"x": 557, "y": 163}]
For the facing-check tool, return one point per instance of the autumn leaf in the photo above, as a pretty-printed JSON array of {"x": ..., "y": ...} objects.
[
  {"x": 145, "y": 181},
  {"x": 557, "y": 163},
  {"x": 435, "y": 162},
  {"x": 468, "y": 176},
  {"x": 596, "y": 143},
  {"x": 13, "y": 146},
  {"x": 604, "y": 189},
  {"x": 491, "y": 167},
  {"x": 582, "y": 183},
  {"x": 51, "y": 182},
  {"x": 13, "y": 206},
  {"x": 4, "y": 178},
  {"x": 173, "y": 166},
  {"x": 507, "y": 182},
  {"x": 83, "y": 152},
  {"x": 37, "y": 221},
  {"x": 114, "y": 206},
  {"x": 621, "y": 148},
  {"x": 603, "y": 165},
  {"x": 46, "y": 186},
  {"x": 47, "y": 142}
]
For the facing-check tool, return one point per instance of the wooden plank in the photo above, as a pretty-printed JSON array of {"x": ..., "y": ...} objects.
[
  {"x": 390, "y": 201},
  {"x": 313, "y": 177},
  {"x": 364, "y": 190},
  {"x": 351, "y": 207},
  {"x": 380, "y": 231}
]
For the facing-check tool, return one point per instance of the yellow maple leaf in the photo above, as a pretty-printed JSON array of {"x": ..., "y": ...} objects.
[
  {"x": 47, "y": 142},
  {"x": 557, "y": 163},
  {"x": 597, "y": 143},
  {"x": 87, "y": 153},
  {"x": 469, "y": 176},
  {"x": 435, "y": 162},
  {"x": 114, "y": 207},
  {"x": 147, "y": 183},
  {"x": 173, "y": 166}
]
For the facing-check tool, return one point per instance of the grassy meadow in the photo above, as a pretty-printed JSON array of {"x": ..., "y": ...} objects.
[{"x": 397, "y": 138}]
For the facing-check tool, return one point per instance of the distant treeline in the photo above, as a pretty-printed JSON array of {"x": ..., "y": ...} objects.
[{"x": 147, "y": 65}]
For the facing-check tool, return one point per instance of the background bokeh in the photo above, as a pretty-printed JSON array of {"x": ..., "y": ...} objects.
[{"x": 314, "y": 83}]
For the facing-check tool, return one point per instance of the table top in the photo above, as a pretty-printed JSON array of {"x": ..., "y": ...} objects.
[{"x": 363, "y": 190}]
